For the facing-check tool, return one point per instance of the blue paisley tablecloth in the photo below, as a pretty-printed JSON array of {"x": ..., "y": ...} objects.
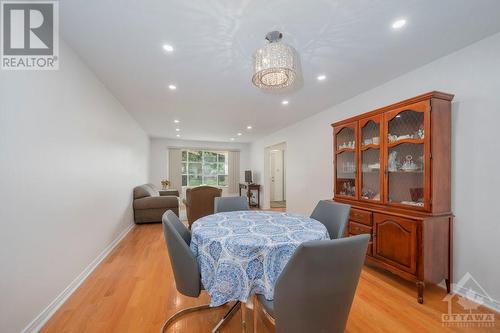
[{"x": 243, "y": 253}]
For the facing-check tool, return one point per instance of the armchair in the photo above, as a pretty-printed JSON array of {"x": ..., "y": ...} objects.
[{"x": 200, "y": 202}]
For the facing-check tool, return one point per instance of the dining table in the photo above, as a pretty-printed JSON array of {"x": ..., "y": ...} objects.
[{"x": 242, "y": 253}]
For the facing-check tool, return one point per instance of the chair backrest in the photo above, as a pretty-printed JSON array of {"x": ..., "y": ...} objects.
[
  {"x": 333, "y": 215},
  {"x": 184, "y": 265},
  {"x": 200, "y": 201},
  {"x": 315, "y": 291},
  {"x": 230, "y": 204}
]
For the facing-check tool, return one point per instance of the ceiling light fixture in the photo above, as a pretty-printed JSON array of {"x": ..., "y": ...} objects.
[
  {"x": 178, "y": 135},
  {"x": 172, "y": 87},
  {"x": 249, "y": 127},
  {"x": 321, "y": 77},
  {"x": 176, "y": 121},
  {"x": 398, "y": 24},
  {"x": 239, "y": 134},
  {"x": 232, "y": 139},
  {"x": 285, "y": 102},
  {"x": 168, "y": 47},
  {"x": 275, "y": 64},
  {"x": 177, "y": 129}
]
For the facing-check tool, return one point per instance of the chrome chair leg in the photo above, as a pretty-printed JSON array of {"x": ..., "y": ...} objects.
[
  {"x": 227, "y": 316},
  {"x": 182, "y": 312},
  {"x": 216, "y": 329}
]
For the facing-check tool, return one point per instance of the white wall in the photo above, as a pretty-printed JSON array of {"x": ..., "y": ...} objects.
[
  {"x": 473, "y": 75},
  {"x": 69, "y": 157},
  {"x": 158, "y": 165}
]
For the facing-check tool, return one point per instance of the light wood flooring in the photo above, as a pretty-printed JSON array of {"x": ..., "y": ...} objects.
[{"x": 133, "y": 290}]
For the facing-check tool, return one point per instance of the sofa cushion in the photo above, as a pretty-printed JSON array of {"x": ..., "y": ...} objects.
[
  {"x": 145, "y": 190},
  {"x": 156, "y": 202}
]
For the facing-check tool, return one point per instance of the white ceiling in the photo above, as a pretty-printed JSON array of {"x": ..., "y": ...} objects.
[{"x": 351, "y": 41}]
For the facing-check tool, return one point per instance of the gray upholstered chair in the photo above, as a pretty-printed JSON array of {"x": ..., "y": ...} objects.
[
  {"x": 315, "y": 290},
  {"x": 230, "y": 204},
  {"x": 333, "y": 215},
  {"x": 185, "y": 267}
]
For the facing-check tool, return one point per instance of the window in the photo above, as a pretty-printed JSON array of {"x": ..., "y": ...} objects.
[{"x": 202, "y": 167}]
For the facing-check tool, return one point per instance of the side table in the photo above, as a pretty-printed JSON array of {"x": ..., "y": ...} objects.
[{"x": 250, "y": 188}]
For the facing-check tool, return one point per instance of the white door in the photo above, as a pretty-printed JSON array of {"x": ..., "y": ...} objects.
[{"x": 277, "y": 175}]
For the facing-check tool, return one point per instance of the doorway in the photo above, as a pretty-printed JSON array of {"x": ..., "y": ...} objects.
[{"x": 277, "y": 176}]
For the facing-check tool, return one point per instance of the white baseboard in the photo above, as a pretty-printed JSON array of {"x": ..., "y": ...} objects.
[
  {"x": 37, "y": 323},
  {"x": 487, "y": 301}
]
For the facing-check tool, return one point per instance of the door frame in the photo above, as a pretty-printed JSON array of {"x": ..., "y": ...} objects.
[{"x": 267, "y": 171}]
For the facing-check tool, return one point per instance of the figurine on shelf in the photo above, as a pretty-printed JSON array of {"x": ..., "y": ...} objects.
[
  {"x": 420, "y": 132},
  {"x": 350, "y": 144},
  {"x": 370, "y": 194},
  {"x": 408, "y": 164},
  {"x": 348, "y": 189},
  {"x": 393, "y": 164},
  {"x": 394, "y": 138}
]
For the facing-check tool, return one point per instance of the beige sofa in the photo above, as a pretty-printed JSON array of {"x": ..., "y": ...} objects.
[{"x": 149, "y": 206}]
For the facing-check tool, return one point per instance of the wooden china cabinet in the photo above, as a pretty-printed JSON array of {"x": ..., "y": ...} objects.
[{"x": 392, "y": 165}]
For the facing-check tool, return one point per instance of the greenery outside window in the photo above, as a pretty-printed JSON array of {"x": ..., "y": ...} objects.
[{"x": 203, "y": 167}]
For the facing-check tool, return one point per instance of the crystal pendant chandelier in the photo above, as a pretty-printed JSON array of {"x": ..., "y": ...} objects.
[{"x": 275, "y": 64}]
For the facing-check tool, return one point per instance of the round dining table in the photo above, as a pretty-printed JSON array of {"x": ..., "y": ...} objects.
[{"x": 242, "y": 253}]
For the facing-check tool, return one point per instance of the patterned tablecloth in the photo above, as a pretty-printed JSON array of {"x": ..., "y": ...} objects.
[{"x": 243, "y": 253}]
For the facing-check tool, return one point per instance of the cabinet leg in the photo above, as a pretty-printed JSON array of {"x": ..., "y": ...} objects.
[
  {"x": 448, "y": 285},
  {"x": 420, "y": 289}
]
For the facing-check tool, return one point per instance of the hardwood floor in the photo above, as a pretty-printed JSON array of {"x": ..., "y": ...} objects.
[{"x": 133, "y": 291}]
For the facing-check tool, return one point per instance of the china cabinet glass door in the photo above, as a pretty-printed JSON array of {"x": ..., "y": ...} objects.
[
  {"x": 407, "y": 156},
  {"x": 371, "y": 181},
  {"x": 345, "y": 154}
]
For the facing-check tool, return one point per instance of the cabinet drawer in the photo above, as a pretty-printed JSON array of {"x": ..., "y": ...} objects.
[
  {"x": 358, "y": 229},
  {"x": 361, "y": 216}
]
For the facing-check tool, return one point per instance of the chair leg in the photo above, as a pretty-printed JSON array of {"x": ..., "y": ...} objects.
[
  {"x": 226, "y": 317},
  {"x": 216, "y": 329},
  {"x": 180, "y": 313}
]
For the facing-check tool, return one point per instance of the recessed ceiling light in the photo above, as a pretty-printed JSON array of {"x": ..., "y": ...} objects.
[
  {"x": 177, "y": 129},
  {"x": 249, "y": 127},
  {"x": 178, "y": 135},
  {"x": 239, "y": 134},
  {"x": 398, "y": 24},
  {"x": 172, "y": 87},
  {"x": 321, "y": 77},
  {"x": 285, "y": 102},
  {"x": 168, "y": 47},
  {"x": 176, "y": 121},
  {"x": 232, "y": 139}
]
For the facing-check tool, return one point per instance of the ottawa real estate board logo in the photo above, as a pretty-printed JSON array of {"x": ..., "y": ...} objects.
[
  {"x": 470, "y": 312},
  {"x": 29, "y": 35}
]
